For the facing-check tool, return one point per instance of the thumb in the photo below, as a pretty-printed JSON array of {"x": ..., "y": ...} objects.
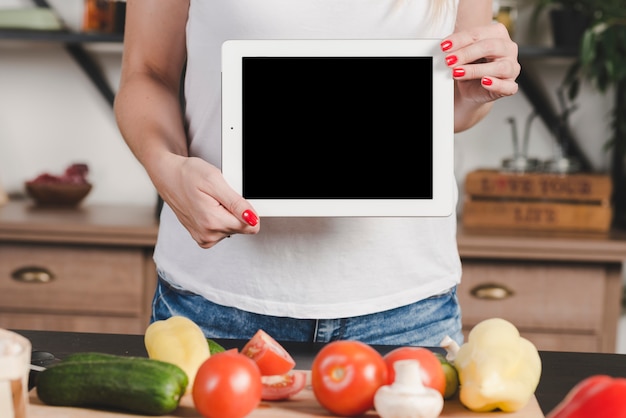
[
  {"x": 250, "y": 217},
  {"x": 241, "y": 209},
  {"x": 236, "y": 204}
]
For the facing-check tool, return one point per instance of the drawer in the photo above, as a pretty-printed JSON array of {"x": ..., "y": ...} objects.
[
  {"x": 74, "y": 323},
  {"x": 553, "y": 341},
  {"x": 538, "y": 296},
  {"x": 82, "y": 279},
  {"x": 565, "y": 342}
]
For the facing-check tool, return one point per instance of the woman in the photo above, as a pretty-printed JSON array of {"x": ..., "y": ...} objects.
[{"x": 378, "y": 280}]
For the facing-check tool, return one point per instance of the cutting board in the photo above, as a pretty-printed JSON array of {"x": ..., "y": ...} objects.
[{"x": 302, "y": 405}]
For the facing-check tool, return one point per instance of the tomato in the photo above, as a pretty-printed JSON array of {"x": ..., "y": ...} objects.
[
  {"x": 284, "y": 386},
  {"x": 268, "y": 354},
  {"x": 345, "y": 376},
  {"x": 435, "y": 376},
  {"x": 227, "y": 385}
]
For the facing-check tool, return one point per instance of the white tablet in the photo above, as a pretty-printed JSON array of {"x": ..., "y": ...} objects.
[{"x": 338, "y": 127}]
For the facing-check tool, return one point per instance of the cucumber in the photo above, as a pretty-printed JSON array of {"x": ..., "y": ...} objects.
[
  {"x": 93, "y": 356},
  {"x": 132, "y": 384}
]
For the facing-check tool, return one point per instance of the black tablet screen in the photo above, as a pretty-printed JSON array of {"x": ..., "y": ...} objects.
[{"x": 337, "y": 128}]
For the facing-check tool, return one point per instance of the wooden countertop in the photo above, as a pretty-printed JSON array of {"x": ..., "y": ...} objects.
[
  {"x": 90, "y": 224},
  {"x": 303, "y": 405},
  {"x": 540, "y": 245},
  {"x": 560, "y": 370},
  {"x": 138, "y": 226}
]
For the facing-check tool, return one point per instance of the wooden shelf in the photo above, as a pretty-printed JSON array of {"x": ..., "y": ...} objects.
[
  {"x": 65, "y": 37},
  {"x": 73, "y": 42},
  {"x": 527, "y": 81},
  {"x": 525, "y": 51},
  {"x": 528, "y": 246}
]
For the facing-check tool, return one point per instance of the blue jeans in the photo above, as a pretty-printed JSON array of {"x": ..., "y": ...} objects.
[{"x": 424, "y": 323}]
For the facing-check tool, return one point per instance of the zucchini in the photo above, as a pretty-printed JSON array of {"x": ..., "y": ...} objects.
[{"x": 132, "y": 384}]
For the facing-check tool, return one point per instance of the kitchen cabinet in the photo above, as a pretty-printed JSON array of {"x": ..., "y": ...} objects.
[
  {"x": 562, "y": 290},
  {"x": 90, "y": 269},
  {"x": 87, "y": 269}
]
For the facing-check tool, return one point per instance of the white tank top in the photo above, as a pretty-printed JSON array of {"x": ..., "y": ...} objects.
[{"x": 303, "y": 267}]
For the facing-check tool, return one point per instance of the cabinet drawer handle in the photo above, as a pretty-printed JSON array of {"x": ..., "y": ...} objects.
[
  {"x": 491, "y": 291},
  {"x": 32, "y": 274}
]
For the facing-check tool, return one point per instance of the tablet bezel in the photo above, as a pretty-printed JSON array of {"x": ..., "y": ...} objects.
[{"x": 442, "y": 203}]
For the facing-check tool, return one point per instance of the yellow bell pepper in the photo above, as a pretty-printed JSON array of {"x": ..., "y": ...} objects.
[
  {"x": 498, "y": 369},
  {"x": 180, "y": 341}
]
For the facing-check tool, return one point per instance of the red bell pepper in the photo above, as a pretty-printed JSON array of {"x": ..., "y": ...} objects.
[{"x": 597, "y": 396}]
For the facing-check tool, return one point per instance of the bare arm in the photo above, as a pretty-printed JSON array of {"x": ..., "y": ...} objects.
[
  {"x": 485, "y": 60},
  {"x": 148, "y": 112},
  {"x": 147, "y": 107}
]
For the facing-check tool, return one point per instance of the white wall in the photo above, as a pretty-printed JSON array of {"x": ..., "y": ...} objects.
[{"x": 51, "y": 115}]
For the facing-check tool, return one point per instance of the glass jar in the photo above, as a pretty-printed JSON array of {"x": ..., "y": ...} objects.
[{"x": 99, "y": 16}]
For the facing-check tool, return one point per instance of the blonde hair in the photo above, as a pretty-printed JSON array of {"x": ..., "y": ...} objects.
[{"x": 437, "y": 9}]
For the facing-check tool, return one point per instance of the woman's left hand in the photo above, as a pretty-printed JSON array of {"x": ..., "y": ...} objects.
[{"x": 483, "y": 61}]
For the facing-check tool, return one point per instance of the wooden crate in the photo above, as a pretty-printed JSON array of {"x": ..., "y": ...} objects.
[{"x": 537, "y": 201}]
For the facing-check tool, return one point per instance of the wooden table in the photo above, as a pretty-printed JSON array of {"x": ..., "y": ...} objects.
[{"x": 561, "y": 370}]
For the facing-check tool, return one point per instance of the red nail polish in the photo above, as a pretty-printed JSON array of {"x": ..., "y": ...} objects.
[
  {"x": 250, "y": 217},
  {"x": 486, "y": 81},
  {"x": 451, "y": 59},
  {"x": 458, "y": 72},
  {"x": 446, "y": 45}
]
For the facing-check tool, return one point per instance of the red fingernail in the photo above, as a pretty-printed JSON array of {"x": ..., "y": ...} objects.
[
  {"x": 250, "y": 217},
  {"x": 486, "y": 81},
  {"x": 451, "y": 60},
  {"x": 458, "y": 72},
  {"x": 445, "y": 45}
]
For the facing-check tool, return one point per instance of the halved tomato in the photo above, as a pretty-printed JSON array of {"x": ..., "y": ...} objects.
[
  {"x": 276, "y": 388},
  {"x": 268, "y": 354}
]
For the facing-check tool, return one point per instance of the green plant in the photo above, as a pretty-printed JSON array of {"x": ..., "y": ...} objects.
[
  {"x": 601, "y": 61},
  {"x": 586, "y": 7}
]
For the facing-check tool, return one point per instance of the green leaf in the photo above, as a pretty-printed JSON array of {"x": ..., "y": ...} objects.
[
  {"x": 214, "y": 347},
  {"x": 601, "y": 58}
]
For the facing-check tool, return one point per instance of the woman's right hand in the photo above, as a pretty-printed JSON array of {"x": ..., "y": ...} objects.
[{"x": 203, "y": 202}]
